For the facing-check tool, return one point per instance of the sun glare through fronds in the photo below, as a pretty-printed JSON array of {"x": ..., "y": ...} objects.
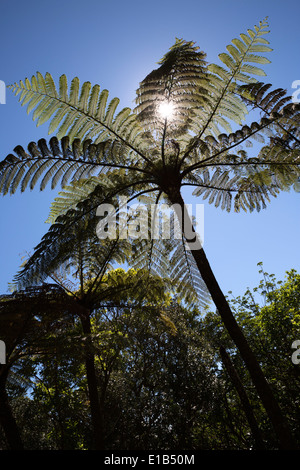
[{"x": 166, "y": 109}]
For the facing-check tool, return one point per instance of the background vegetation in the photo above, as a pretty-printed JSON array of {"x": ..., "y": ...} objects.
[{"x": 161, "y": 375}]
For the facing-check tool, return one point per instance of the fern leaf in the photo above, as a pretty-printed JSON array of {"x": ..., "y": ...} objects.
[
  {"x": 84, "y": 111},
  {"x": 177, "y": 80},
  {"x": 221, "y": 82},
  {"x": 56, "y": 162}
]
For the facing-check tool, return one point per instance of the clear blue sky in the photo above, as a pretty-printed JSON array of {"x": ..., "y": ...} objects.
[{"x": 115, "y": 44}]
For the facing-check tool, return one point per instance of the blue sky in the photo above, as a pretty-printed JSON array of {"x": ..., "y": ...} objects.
[{"x": 115, "y": 44}]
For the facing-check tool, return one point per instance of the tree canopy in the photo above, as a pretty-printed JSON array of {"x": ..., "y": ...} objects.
[{"x": 160, "y": 373}]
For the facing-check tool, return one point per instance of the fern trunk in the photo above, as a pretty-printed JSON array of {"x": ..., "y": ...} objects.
[
  {"x": 96, "y": 413},
  {"x": 285, "y": 438},
  {"x": 236, "y": 381}
]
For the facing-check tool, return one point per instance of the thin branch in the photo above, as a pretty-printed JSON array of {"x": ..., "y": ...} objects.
[{"x": 226, "y": 189}]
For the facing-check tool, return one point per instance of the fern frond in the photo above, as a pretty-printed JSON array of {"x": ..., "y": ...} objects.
[
  {"x": 221, "y": 82},
  {"x": 75, "y": 224},
  {"x": 68, "y": 244},
  {"x": 166, "y": 255},
  {"x": 177, "y": 81},
  {"x": 60, "y": 162},
  {"x": 81, "y": 112},
  {"x": 185, "y": 275},
  {"x": 70, "y": 197},
  {"x": 248, "y": 183},
  {"x": 279, "y": 125},
  {"x": 278, "y": 107}
]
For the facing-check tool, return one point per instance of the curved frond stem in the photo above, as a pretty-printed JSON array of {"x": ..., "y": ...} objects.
[
  {"x": 120, "y": 138},
  {"x": 231, "y": 190},
  {"x": 74, "y": 160},
  {"x": 256, "y": 164},
  {"x": 111, "y": 195},
  {"x": 99, "y": 276},
  {"x": 60, "y": 284},
  {"x": 146, "y": 191}
]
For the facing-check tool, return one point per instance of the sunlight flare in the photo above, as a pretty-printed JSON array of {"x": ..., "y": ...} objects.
[{"x": 166, "y": 109}]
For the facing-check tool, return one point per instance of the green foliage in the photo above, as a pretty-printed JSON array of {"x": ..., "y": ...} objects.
[
  {"x": 180, "y": 72},
  {"x": 269, "y": 316},
  {"x": 26, "y": 316},
  {"x": 83, "y": 112},
  {"x": 158, "y": 369},
  {"x": 224, "y": 104}
]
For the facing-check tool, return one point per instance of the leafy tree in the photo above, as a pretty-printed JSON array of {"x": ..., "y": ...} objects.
[
  {"x": 49, "y": 324},
  {"x": 161, "y": 153},
  {"x": 162, "y": 380},
  {"x": 275, "y": 326},
  {"x": 159, "y": 372},
  {"x": 269, "y": 315},
  {"x": 60, "y": 396},
  {"x": 26, "y": 320}
]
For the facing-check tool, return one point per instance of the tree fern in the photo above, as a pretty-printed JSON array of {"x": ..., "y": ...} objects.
[
  {"x": 199, "y": 93},
  {"x": 215, "y": 163}
]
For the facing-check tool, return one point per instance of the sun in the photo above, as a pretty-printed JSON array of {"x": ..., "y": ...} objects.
[{"x": 166, "y": 109}]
